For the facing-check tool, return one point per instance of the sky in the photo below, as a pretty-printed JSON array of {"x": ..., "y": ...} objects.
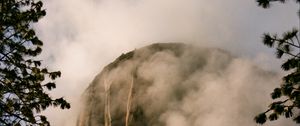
[{"x": 82, "y": 36}]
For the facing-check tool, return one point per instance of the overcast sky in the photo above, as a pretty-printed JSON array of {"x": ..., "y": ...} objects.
[{"x": 82, "y": 36}]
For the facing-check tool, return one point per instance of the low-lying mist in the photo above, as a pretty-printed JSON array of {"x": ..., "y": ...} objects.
[
  {"x": 173, "y": 84},
  {"x": 82, "y": 36}
]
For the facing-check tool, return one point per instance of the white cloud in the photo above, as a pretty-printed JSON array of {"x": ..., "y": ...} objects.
[{"x": 82, "y": 36}]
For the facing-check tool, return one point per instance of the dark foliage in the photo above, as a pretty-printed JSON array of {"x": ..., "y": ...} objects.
[
  {"x": 288, "y": 94},
  {"x": 22, "y": 78}
]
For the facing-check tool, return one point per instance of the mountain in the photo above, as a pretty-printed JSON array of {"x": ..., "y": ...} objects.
[{"x": 174, "y": 84}]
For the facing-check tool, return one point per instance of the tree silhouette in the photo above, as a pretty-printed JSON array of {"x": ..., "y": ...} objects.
[
  {"x": 287, "y": 96},
  {"x": 23, "y": 81}
]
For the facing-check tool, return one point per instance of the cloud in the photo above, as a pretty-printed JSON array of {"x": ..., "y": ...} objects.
[
  {"x": 82, "y": 36},
  {"x": 178, "y": 85}
]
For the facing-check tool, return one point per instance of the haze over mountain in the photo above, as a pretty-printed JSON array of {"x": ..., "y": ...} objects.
[
  {"x": 82, "y": 36},
  {"x": 174, "y": 84}
]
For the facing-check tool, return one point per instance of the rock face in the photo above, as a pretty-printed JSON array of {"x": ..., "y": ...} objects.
[{"x": 173, "y": 84}]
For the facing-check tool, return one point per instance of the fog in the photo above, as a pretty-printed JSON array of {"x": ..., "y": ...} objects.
[
  {"x": 177, "y": 85},
  {"x": 82, "y": 36}
]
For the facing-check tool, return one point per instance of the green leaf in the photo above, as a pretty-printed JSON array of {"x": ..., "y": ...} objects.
[
  {"x": 263, "y": 3},
  {"x": 54, "y": 75},
  {"x": 261, "y": 118},
  {"x": 279, "y": 53},
  {"x": 30, "y": 34},
  {"x": 37, "y": 63},
  {"x": 44, "y": 70},
  {"x": 39, "y": 3},
  {"x": 290, "y": 34},
  {"x": 43, "y": 118},
  {"x": 36, "y": 41},
  {"x": 43, "y": 13},
  {"x": 268, "y": 40},
  {"x": 50, "y": 86},
  {"x": 286, "y": 48},
  {"x": 288, "y": 113},
  {"x": 290, "y": 64},
  {"x": 287, "y": 89},
  {"x": 279, "y": 109},
  {"x": 63, "y": 103},
  {"x": 295, "y": 94},
  {"x": 276, "y": 93},
  {"x": 273, "y": 116},
  {"x": 37, "y": 51}
]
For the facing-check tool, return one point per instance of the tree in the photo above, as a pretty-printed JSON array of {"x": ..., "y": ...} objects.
[
  {"x": 287, "y": 96},
  {"x": 24, "y": 82}
]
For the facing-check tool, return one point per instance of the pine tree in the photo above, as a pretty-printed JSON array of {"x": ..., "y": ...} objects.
[
  {"x": 24, "y": 82},
  {"x": 287, "y": 96}
]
